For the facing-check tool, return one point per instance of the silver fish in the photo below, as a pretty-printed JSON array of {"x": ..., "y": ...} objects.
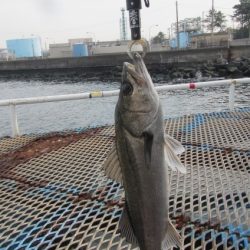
[{"x": 140, "y": 159}]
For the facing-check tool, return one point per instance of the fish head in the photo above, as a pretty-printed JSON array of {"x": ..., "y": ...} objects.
[{"x": 138, "y": 99}]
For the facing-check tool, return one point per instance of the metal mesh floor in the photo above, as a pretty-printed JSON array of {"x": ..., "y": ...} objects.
[{"x": 62, "y": 200}]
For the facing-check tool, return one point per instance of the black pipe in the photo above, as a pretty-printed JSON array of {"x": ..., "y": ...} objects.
[{"x": 134, "y": 6}]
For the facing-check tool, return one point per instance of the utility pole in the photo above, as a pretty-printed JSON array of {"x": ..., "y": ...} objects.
[
  {"x": 177, "y": 27},
  {"x": 212, "y": 24},
  {"x": 123, "y": 26},
  {"x": 202, "y": 22}
]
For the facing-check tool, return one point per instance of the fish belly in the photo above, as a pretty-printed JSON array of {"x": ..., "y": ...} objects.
[{"x": 146, "y": 192}]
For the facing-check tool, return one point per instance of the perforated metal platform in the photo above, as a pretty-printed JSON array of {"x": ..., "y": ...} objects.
[{"x": 60, "y": 198}]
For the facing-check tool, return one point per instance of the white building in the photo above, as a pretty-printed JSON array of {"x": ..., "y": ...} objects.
[
  {"x": 60, "y": 50},
  {"x": 87, "y": 40},
  {"x": 5, "y": 55}
]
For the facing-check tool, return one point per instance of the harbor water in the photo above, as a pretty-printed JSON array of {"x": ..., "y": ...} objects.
[{"x": 57, "y": 116}]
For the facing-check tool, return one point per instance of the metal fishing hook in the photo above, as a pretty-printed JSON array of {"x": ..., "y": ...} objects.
[{"x": 144, "y": 44}]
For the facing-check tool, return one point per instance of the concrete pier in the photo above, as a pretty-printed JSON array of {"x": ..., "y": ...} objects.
[{"x": 112, "y": 60}]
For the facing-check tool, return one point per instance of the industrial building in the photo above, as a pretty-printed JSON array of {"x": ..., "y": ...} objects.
[
  {"x": 5, "y": 55},
  {"x": 25, "y": 47},
  {"x": 60, "y": 50},
  {"x": 208, "y": 40},
  {"x": 75, "y": 47},
  {"x": 185, "y": 30},
  {"x": 88, "y": 41},
  {"x": 80, "y": 49},
  {"x": 109, "y": 47}
]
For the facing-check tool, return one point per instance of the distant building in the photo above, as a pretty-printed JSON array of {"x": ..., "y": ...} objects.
[
  {"x": 207, "y": 40},
  {"x": 79, "y": 49},
  {"x": 87, "y": 41},
  {"x": 240, "y": 42},
  {"x": 25, "y": 47},
  {"x": 187, "y": 28},
  {"x": 184, "y": 39},
  {"x": 109, "y": 47},
  {"x": 5, "y": 55},
  {"x": 60, "y": 50},
  {"x": 76, "y": 47}
]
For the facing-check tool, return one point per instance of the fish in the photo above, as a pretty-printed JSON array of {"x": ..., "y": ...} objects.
[{"x": 140, "y": 160}]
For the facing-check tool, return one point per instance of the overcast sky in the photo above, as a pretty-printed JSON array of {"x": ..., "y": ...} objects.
[{"x": 58, "y": 20}]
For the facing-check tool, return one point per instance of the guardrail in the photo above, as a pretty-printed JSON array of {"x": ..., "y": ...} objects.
[{"x": 12, "y": 103}]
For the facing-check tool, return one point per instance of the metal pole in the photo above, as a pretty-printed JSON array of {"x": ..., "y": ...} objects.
[
  {"x": 232, "y": 95},
  {"x": 212, "y": 24},
  {"x": 134, "y": 7},
  {"x": 13, "y": 119},
  {"x": 177, "y": 26},
  {"x": 99, "y": 94}
]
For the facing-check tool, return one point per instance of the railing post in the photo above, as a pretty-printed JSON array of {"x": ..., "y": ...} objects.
[
  {"x": 13, "y": 119},
  {"x": 232, "y": 95}
]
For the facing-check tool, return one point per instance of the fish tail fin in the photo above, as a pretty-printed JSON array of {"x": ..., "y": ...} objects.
[
  {"x": 126, "y": 229},
  {"x": 172, "y": 237}
]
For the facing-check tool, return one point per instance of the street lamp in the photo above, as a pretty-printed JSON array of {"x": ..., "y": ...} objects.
[{"x": 149, "y": 33}]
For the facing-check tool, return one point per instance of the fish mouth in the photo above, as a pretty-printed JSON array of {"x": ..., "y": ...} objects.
[{"x": 131, "y": 75}]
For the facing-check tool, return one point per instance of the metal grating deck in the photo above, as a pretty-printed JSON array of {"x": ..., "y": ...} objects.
[{"x": 60, "y": 198}]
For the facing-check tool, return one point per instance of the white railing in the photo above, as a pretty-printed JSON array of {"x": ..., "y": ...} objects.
[{"x": 12, "y": 103}]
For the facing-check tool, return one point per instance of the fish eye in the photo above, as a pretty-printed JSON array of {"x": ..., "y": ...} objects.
[{"x": 127, "y": 88}]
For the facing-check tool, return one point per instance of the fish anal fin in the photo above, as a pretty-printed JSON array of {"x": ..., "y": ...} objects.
[
  {"x": 112, "y": 166},
  {"x": 171, "y": 149},
  {"x": 172, "y": 238},
  {"x": 126, "y": 229}
]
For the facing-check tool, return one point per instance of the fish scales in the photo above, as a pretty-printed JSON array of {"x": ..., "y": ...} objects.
[{"x": 146, "y": 202}]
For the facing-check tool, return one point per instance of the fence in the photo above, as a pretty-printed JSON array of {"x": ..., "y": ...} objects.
[{"x": 12, "y": 103}]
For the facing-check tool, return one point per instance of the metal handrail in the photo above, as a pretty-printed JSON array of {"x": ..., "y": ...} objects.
[{"x": 12, "y": 103}]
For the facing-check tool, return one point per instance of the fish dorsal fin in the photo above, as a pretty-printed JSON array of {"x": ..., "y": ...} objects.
[
  {"x": 126, "y": 228},
  {"x": 172, "y": 238},
  {"x": 112, "y": 166},
  {"x": 171, "y": 148}
]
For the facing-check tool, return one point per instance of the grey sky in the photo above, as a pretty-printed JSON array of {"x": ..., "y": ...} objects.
[{"x": 58, "y": 20}]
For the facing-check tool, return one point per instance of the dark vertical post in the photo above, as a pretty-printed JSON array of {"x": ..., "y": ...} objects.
[
  {"x": 212, "y": 24},
  {"x": 134, "y": 6},
  {"x": 177, "y": 27}
]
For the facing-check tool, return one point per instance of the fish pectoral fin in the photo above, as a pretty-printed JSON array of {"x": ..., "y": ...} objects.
[
  {"x": 112, "y": 166},
  {"x": 172, "y": 238},
  {"x": 174, "y": 144},
  {"x": 171, "y": 148},
  {"x": 126, "y": 228},
  {"x": 148, "y": 143}
]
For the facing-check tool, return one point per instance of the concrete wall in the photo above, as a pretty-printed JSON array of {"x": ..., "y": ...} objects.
[
  {"x": 60, "y": 50},
  {"x": 240, "y": 42},
  {"x": 205, "y": 40},
  {"x": 240, "y": 51},
  {"x": 182, "y": 56},
  {"x": 96, "y": 50}
]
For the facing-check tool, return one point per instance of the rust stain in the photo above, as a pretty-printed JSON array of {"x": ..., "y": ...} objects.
[
  {"x": 83, "y": 196},
  {"x": 184, "y": 220},
  {"x": 40, "y": 146},
  {"x": 24, "y": 182}
]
